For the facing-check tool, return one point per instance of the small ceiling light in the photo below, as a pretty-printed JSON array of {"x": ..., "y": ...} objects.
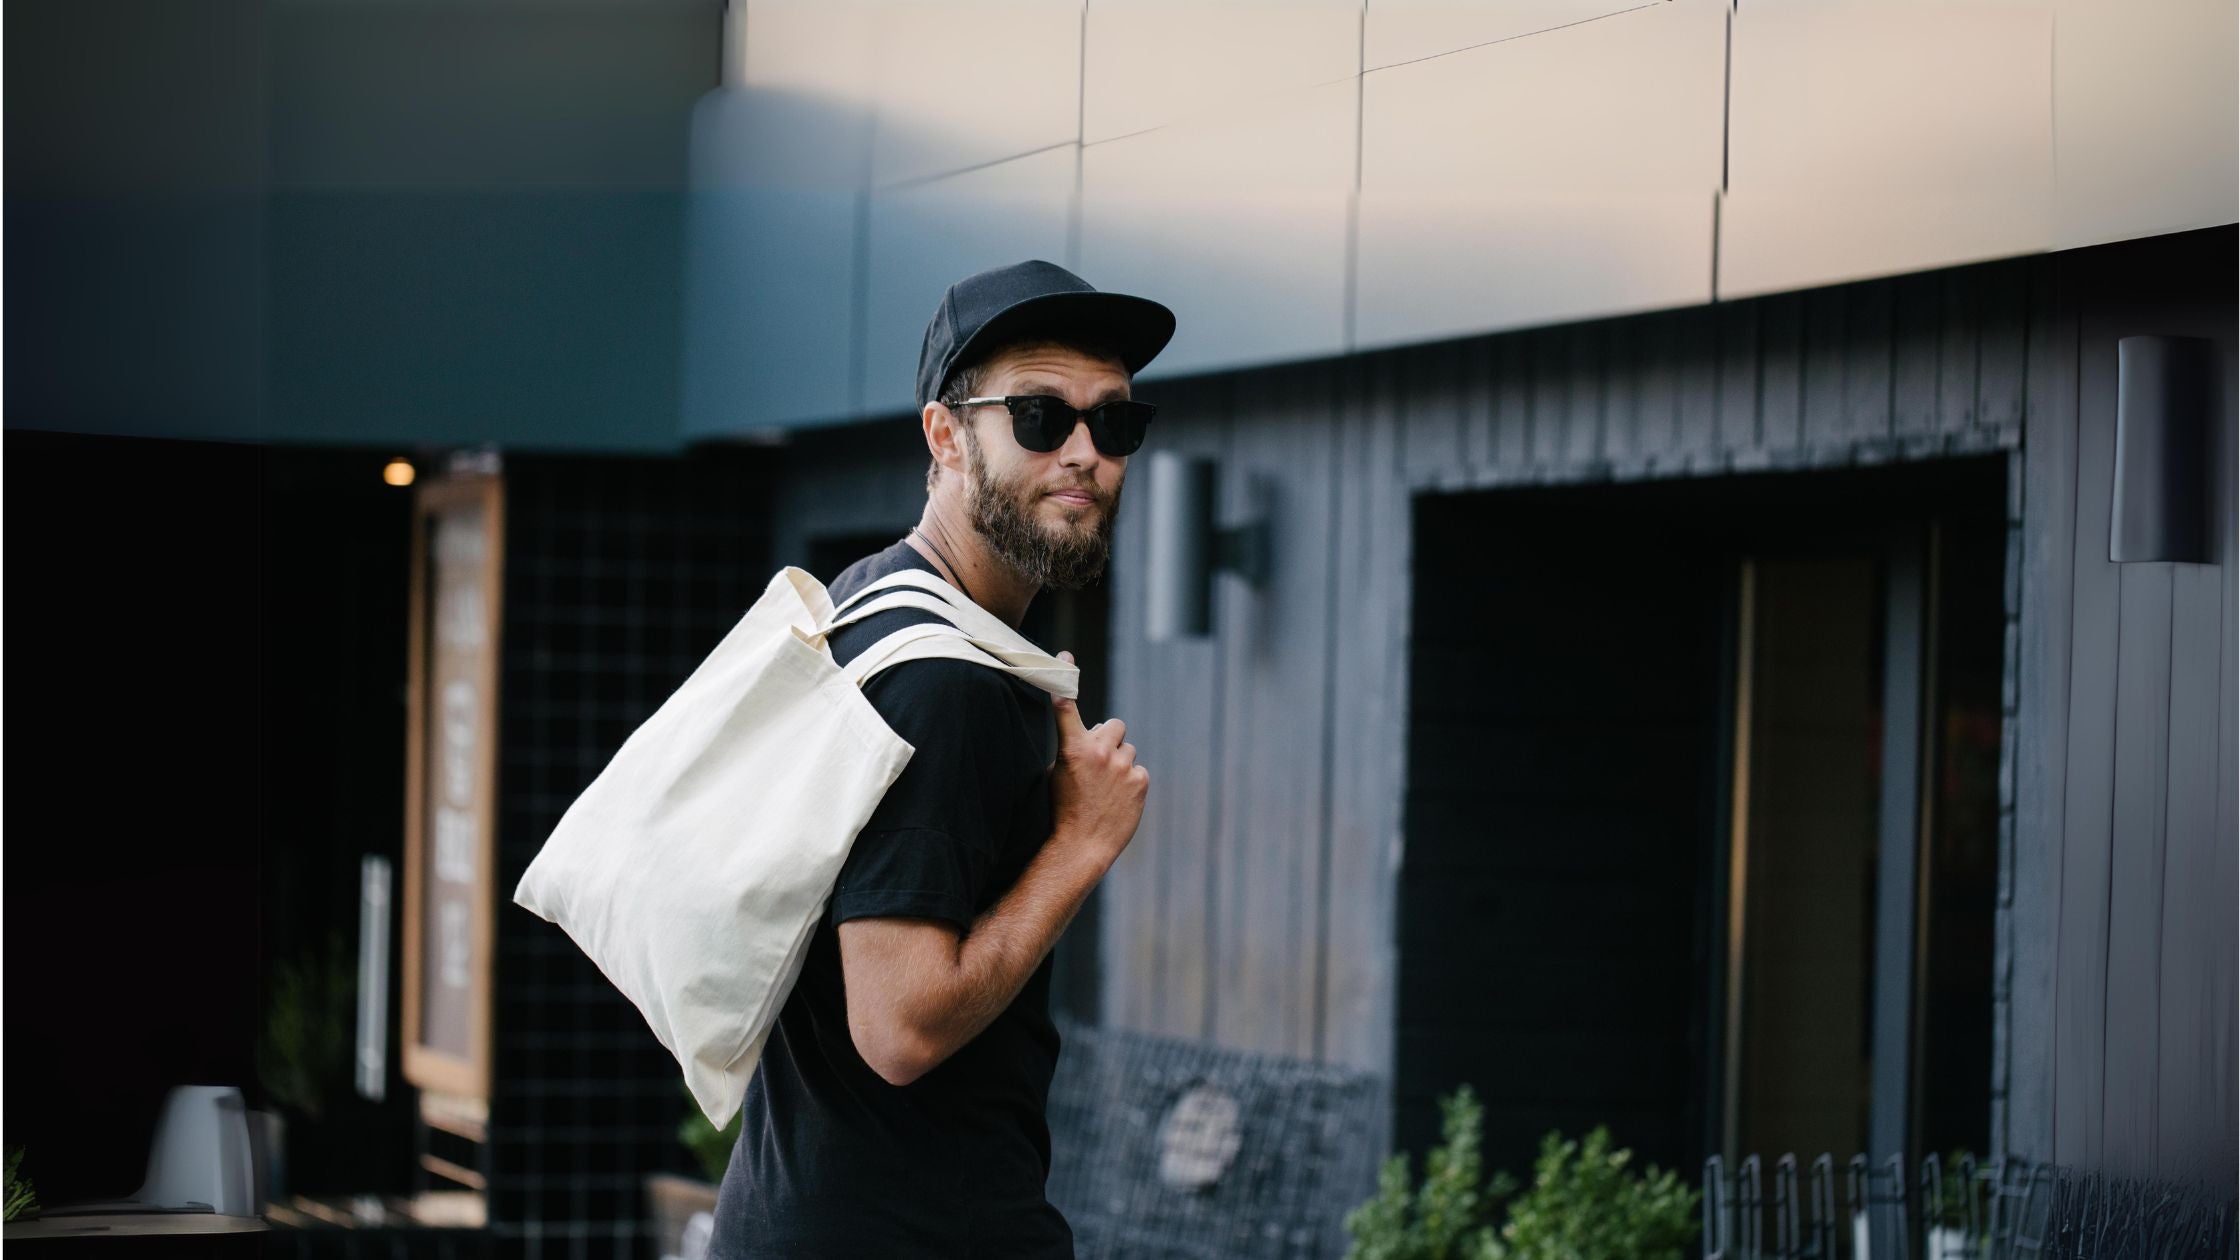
[{"x": 398, "y": 473}]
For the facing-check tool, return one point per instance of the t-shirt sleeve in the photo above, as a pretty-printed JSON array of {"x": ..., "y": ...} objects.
[{"x": 930, "y": 845}]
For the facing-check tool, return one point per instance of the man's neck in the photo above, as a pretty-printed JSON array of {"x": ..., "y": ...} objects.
[{"x": 966, "y": 562}]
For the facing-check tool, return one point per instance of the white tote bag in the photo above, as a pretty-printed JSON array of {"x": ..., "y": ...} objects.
[{"x": 694, "y": 869}]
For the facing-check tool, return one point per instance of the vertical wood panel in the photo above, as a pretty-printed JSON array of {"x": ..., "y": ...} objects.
[
  {"x": 1275, "y": 709},
  {"x": 2001, "y": 355},
  {"x": 1824, "y": 428},
  {"x": 1866, "y": 366},
  {"x": 2196, "y": 1051},
  {"x": 1956, "y": 363},
  {"x": 1781, "y": 392},
  {"x": 1475, "y": 381},
  {"x": 2041, "y": 760},
  {"x": 1658, "y": 425},
  {"x": 1369, "y": 680},
  {"x": 1127, "y": 902},
  {"x": 1916, "y": 329},
  {"x": 2081, "y": 961},
  {"x": 1697, "y": 378},
  {"x": 1621, "y": 404},
  {"x": 1511, "y": 416},
  {"x": 1128, "y": 911},
  {"x": 1551, "y": 401},
  {"x": 1435, "y": 446},
  {"x": 2222, "y": 1022},
  {"x": 1156, "y": 943},
  {"x": 1738, "y": 383},
  {"x": 1583, "y": 419},
  {"x": 2142, "y": 733}
]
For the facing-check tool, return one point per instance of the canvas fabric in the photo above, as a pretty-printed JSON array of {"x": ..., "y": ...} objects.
[{"x": 694, "y": 869}]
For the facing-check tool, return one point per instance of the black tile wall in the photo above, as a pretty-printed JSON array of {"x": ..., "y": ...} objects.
[{"x": 621, "y": 575}]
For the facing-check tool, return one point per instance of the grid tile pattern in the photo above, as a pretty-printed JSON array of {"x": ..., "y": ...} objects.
[{"x": 621, "y": 575}]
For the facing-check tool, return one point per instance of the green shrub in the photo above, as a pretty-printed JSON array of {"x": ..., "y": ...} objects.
[
  {"x": 304, "y": 1057},
  {"x": 708, "y": 1144},
  {"x": 1450, "y": 1218},
  {"x": 19, "y": 1198},
  {"x": 1584, "y": 1203}
]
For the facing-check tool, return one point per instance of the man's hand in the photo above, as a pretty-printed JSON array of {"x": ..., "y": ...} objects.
[
  {"x": 1096, "y": 789},
  {"x": 917, "y": 991}
]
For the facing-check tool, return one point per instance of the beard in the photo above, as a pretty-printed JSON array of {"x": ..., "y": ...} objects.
[{"x": 1065, "y": 557}]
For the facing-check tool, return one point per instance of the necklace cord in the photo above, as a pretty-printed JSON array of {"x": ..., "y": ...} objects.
[{"x": 946, "y": 563}]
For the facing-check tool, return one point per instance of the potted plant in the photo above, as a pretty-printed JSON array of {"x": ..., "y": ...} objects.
[
  {"x": 20, "y": 1201},
  {"x": 674, "y": 1201}
]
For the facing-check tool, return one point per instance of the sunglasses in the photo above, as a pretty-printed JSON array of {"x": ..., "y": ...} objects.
[{"x": 1042, "y": 422}]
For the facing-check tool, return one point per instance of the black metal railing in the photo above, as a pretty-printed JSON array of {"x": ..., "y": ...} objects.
[{"x": 1995, "y": 1210}]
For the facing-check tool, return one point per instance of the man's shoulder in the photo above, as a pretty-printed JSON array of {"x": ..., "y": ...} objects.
[{"x": 894, "y": 558}]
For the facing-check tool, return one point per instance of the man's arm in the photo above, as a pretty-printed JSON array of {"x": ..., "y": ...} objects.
[{"x": 917, "y": 991}]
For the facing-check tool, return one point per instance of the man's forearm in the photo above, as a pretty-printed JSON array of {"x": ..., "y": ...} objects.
[{"x": 992, "y": 962}]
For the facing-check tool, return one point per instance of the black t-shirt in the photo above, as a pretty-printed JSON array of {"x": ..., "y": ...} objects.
[{"x": 831, "y": 1160}]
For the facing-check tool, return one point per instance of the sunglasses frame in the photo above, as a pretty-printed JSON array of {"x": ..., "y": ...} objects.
[{"x": 1099, "y": 426}]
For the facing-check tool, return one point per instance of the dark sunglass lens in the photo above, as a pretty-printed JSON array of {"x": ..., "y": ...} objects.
[
  {"x": 1118, "y": 427},
  {"x": 1039, "y": 422}
]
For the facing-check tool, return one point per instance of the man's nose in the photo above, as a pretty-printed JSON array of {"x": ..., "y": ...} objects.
[{"x": 1079, "y": 449}]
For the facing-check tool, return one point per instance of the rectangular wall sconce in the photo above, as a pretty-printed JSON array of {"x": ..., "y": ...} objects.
[
  {"x": 1186, "y": 548},
  {"x": 2165, "y": 387}
]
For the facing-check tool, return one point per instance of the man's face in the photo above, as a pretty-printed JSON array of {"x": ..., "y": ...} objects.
[{"x": 1049, "y": 514}]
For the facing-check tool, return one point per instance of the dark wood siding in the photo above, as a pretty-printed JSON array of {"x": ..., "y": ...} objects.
[
  {"x": 2126, "y": 939},
  {"x": 1256, "y": 906}
]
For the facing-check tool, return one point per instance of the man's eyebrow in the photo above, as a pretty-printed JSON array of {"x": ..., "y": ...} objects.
[{"x": 1118, "y": 393}]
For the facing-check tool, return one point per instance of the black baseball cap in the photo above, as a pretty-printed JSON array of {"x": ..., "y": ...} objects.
[{"x": 1028, "y": 299}]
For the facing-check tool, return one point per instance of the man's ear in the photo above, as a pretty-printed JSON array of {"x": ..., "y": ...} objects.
[{"x": 943, "y": 442}]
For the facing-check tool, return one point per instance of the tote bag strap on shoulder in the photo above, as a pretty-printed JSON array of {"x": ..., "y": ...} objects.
[
  {"x": 938, "y": 640},
  {"x": 948, "y": 601},
  {"x": 967, "y": 632}
]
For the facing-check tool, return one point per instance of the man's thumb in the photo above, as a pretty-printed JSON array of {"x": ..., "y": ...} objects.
[{"x": 1069, "y": 713}]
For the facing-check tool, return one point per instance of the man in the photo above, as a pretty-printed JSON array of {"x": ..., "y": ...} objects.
[{"x": 898, "y": 1107}]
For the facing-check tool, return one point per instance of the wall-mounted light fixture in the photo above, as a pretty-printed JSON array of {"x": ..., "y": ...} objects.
[
  {"x": 2165, "y": 387},
  {"x": 1186, "y": 548}
]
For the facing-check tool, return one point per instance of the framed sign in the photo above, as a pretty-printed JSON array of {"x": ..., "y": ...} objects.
[{"x": 451, "y": 737}]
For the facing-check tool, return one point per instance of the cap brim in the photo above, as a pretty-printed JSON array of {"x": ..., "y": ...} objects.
[{"x": 1138, "y": 327}]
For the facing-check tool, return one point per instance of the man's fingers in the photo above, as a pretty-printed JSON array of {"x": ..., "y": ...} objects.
[{"x": 1069, "y": 718}]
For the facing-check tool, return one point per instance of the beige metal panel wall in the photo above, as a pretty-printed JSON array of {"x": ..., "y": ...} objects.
[
  {"x": 1152, "y": 63},
  {"x": 923, "y": 236},
  {"x": 778, "y": 156},
  {"x": 951, "y": 94},
  {"x": 1237, "y": 220},
  {"x": 1307, "y": 179},
  {"x": 2146, "y": 119},
  {"x": 768, "y": 331},
  {"x": 1872, "y": 139},
  {"x": 1395, "y": 32},
  {"x": 1550, "y": 176}
]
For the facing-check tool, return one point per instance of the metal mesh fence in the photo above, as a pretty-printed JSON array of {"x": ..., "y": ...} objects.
[
  {"x": 1172, "y": 1150},
  {"x": 2000, "y": 1210}
]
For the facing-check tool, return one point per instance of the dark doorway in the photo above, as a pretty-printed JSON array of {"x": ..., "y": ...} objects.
[{"x": 1577, "y": 724}]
